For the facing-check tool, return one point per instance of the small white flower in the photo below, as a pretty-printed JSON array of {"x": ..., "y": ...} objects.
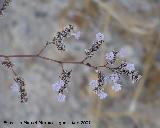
[
  {"x": 116, "y": 87},
  {"x": 102, "y": 95},
  {"x": 130, "y": 67},
  {"x": 114, "y": 77},
  {"x": 56, "y": 86},
  {"x": 99, "y": 36},
  {"x": 14, "y": 87},
  {"x": 76, "y": 35},
  {"x": 122, "y": 53},
  {"x": 61, "y": 97},
  {"x": 93, "y": 84},
  {"x": 110, "y": 56}
]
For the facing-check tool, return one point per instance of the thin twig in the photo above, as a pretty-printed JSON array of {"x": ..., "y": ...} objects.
[{"x": 49, "y": 59}]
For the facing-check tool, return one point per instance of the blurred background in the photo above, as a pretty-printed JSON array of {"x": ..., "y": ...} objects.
[{"x": 132, "y": 24}]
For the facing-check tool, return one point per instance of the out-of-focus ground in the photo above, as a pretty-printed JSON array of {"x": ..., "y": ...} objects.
[{"x": 134, "y": 24}]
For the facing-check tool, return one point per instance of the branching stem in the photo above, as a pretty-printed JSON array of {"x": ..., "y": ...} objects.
[{"x": 50, "y": 59}]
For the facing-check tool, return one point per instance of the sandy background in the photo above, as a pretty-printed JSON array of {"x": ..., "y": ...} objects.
[{"x": 134, "y": 24}]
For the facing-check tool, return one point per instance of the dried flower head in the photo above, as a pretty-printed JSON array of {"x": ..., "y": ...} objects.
[
  {"x": 100, "y": 79},
  {"x": 7, "y": 63},
  {"x": 97, "y": 85},
  {"x": 127, "y": 69},
  {"x": 23, "y": 94},
  {"x": 95, "y": 46},
  {"x": 62, "y": 84},
  {"x": 65, "y": 76},
  {"x": 67, "y": 32}
]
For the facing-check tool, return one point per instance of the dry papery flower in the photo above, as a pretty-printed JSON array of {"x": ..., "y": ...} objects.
[{"x": 115, "y": 65}]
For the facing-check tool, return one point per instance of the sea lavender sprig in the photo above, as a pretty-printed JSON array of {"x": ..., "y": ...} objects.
[{"x": 115, "y": 65}]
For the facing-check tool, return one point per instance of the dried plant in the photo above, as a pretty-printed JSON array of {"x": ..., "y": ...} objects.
[{"x": 116, "y": 65}]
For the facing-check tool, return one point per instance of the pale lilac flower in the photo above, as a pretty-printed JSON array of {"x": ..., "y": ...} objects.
[
  {"x": 102, "y": 95},
  {"x": 93, "y": 84},
  {"x": 61, "y": 97},
  {"x": 99, "y": 36},
  {"x": 116, "y": 87},
  {"x": 130, "y": 67},
  {"x": 114, "y": 77},
  {"x": 110, "y": 56},
  {"x": 76, "y": 35},
  {"x": 122, "y": 53},
  {"x": 14, "y": 87},
  {"x": 56, "y": 86},
  {"x": 107, "y": 79}
]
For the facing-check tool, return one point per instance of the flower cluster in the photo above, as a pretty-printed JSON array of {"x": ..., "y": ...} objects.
[
  {"x": 61, "y": 85},
  {"x": 68, "y": 31},
  {"x": 127, "y": 69},
  {"x": 112, "y": 56},
  {"x": 20, "y": 82},
  {"x": 115, "y": 64},
  {"x": 95, "y": 46},
  {"x": 124, "y": 68},
  {"x": 3, "y": 5},
  {"x": 7, "y": 63},
  {"x": 97, "y": 86},
  {"x": 113, "y": 79}
]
